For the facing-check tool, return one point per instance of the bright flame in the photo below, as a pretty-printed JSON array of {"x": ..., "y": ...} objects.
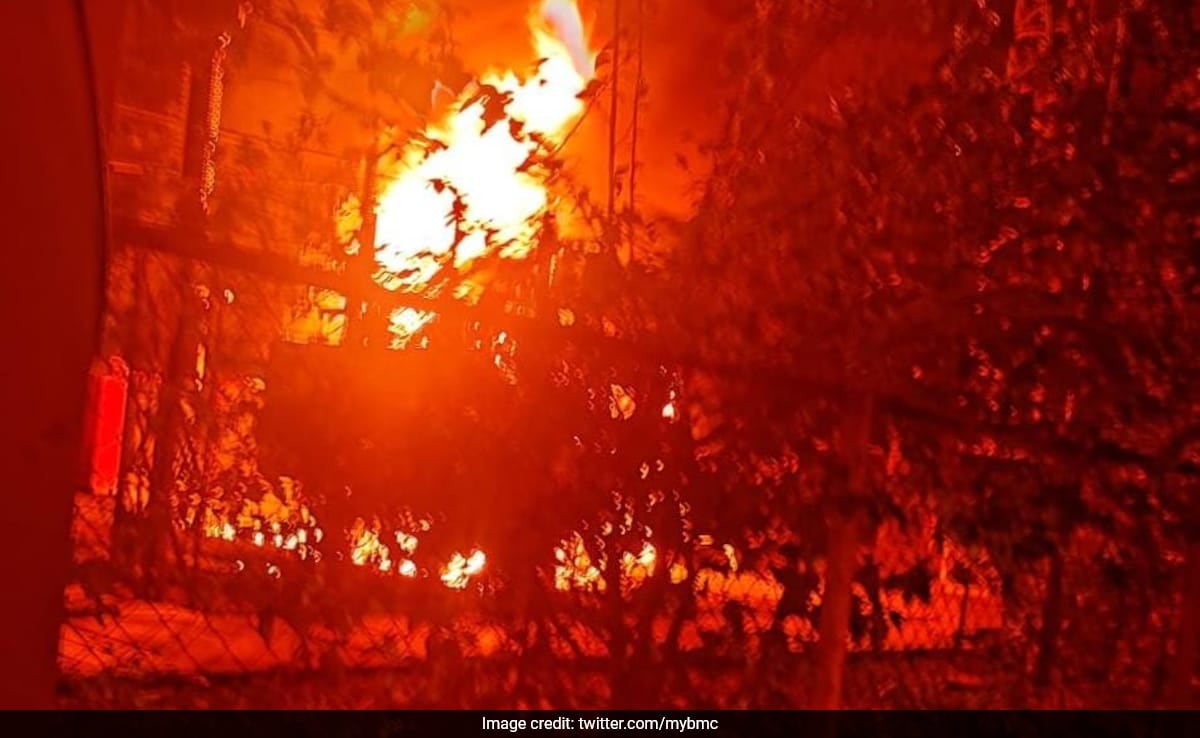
[
  {"x": 368, "y": 547},
  {"x": 405, "y": 322},
  {"x": 731, "y": 555},
  {"x": 574, "y": 567},
  {"x": 636, "y": 568},
  {"x": 669, "y": 411},
  {"x": 472, "y": 191},
  {"x": 461, "y": 568},
  {"x": 407, "y": 541},
  {"x": 290, "y": 526}
]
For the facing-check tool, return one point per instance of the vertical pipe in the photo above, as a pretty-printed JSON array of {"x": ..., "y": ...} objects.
[
  {"x": 637, "y": 101},
  {"x": 845, "y": 530},
  {"x": 613, "y": 110},
  {"x": 1052, "y": 620}
]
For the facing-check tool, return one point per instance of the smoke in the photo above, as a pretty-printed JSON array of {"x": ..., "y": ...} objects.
[
  {"x": 493, "y": 35},
  {"x": 564, "y": 19},
  {"x": 683, "y": 103}
]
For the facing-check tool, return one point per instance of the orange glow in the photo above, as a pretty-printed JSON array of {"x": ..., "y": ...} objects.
[
  {"x": 472, "y": 191},
  {"x": 679, "y": 572},
  {"x": 621, "y": 404}
]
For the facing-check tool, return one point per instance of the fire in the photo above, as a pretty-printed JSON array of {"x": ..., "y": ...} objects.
[
  {"x": 366, "y": 543},
  {"x": 367, "y": 548},
  {"x": 574, "y": 567},
  {"x": 637, "y": 567},
  {"x": 407, "y": 321},
  {"x": 269, "y": 522},
  {"x": 461, "y": 568},
  {"x": 669, "y": 410},
  {"x": 466, "y": 188},
  {"x": 407, "y": 541}
]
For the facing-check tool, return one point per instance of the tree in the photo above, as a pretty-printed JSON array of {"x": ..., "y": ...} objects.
[{"x": 949, "y": 260}]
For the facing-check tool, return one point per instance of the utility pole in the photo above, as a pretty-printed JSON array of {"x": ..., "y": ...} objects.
[{"x": 614, "y": 105}]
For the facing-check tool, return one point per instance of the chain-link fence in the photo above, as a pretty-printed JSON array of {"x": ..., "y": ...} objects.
[{"x": 275, "y": 536}]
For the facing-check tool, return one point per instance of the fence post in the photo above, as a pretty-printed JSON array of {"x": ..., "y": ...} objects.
[
  {"x": 158, "y": 534},
  {"x": 1052, "y": 618},
  {"x": 845, "y": 530},
  {"x": 362, "y": 264}
]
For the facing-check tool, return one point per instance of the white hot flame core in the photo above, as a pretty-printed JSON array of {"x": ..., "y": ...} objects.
[{"x": 472, "y": 192}]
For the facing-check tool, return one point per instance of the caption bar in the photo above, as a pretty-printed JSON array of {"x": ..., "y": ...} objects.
[{"x": 662, "y": 724}]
